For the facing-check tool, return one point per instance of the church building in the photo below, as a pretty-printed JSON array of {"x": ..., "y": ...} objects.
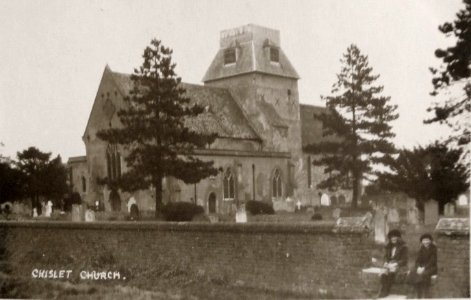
[{"x": 250, "y": 95}]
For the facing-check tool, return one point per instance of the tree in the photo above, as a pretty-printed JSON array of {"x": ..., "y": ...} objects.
[
  {"x": 357, "y": 122},
  {"x": 452, "y": 81},
  {"x": 11, "y": 182},
  {"x": 42, "y": 177},
  {"x": 153, "y": 129},
  {"x": 433, "y": 172},
  {"x": 32, "y": 163},
  {"x": 56, "y": 175}
]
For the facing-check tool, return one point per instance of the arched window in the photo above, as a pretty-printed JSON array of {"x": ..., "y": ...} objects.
[
  {"x": 229, "y": 185},
  {"x": 113, "y": 162},
  {"x": 276, "y": 185}
]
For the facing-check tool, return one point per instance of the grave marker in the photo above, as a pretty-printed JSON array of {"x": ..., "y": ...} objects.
[
  {"x": 449, "y": 210},
  {"x": 381, "y": 225},
  {"x": 431, "y": 212}
]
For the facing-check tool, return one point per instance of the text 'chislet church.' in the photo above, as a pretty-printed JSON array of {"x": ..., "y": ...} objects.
[{"x": 250, "y": 95}]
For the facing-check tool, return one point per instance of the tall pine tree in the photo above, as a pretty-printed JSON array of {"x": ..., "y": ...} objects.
[
  {"x": 452, "y": 81},
  {"x": 357, "y": 121},
  {"x": 153, "y": 128}
]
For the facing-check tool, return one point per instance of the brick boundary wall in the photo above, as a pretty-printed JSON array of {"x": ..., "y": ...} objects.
[
  {"x": 453, "y": 265},
  {"x": 295, "y": 259}
]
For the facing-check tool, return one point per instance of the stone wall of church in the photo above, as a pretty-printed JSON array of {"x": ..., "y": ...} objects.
[{"x": 252, "y": 174}]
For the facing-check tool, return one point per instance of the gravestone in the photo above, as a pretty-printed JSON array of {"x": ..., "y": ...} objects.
[
  {"x": 333, "y": 200},
  {"x": 463, "y": 200},
  {"x": 325, "y": 200},
  {"x": 431, "y": 212},
  {"x": 367, "y": 219},
  {"x": 381, "y": 225},
  {"x": 413, "y": 215},
  {"x": 393, "y": 216},
  {"x": 89, "y": 216},
  {"x": 76, "y": 213},
  {"x": 241, "y": 215},
  {"x": 449, "y": 210},
  {"x": 298, "y": 205},
  {"x": 48, "y": 210},
  {"x": 134, "y": 214},
  {"x": 336, "y": 213}
]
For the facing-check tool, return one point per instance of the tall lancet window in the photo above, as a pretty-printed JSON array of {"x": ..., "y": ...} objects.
[
  {"x": 229, "y": 185},
  {"x": 276, "y": 185},
  {"x": 113, "y": 162}
]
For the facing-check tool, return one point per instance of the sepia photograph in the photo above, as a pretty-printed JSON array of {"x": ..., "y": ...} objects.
[{"x": 235, "y": 149}]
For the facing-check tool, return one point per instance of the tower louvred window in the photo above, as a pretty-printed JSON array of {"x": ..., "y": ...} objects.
[
  {"x": 274, "y": 54},
  {"x": 229, "y": 56}
]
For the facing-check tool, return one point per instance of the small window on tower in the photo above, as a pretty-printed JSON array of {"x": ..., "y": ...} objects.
[
  {"x": 229, "y": 56},
  {"x": 274, "y": 54}
]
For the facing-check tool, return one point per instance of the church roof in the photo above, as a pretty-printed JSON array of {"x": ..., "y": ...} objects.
[
  {"x": 311, "y": 128},
  {"x": 222, "y": 114},
  {"x": 252, "y": 44}
]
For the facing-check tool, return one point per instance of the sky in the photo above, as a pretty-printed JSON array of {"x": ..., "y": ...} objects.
[{"x": 53, "y": 54}]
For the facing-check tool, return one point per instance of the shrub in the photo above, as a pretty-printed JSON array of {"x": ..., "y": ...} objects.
[
  {"x": 259, "y": 208},
  {"x": 316, "y": 217},
  {"x": 181, "y": 211}
]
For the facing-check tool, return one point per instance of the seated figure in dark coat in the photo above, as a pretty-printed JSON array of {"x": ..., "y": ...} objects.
[
  {"x": 395, "y": 262},
  {"x": 425, "y": 266}
]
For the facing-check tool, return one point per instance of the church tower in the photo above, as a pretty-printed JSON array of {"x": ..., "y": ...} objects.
[{"x": 252, "y": 66}]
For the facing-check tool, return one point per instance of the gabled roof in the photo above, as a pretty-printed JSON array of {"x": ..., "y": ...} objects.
[
  {"x": 222, "y": 115},
  {"x": 77, "y": 159},
  {"x": 311, "y": 128},
  {"x": 252, "y": 44}
]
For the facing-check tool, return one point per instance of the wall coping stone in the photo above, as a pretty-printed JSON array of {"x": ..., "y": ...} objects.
[
  {"x": 325, "y": 227},
  {"x": 452, "y": 226}
]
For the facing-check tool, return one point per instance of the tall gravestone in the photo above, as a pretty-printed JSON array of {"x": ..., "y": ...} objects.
[
  {"x": 449, "y": 210},
  {"x": 431, "y": 212},
  {"x": 76, "y": 213},
  {"x": 413, "y": 215},
  {"x": 381, "y": 224}
]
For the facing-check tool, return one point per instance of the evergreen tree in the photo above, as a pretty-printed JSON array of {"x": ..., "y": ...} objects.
[
  {"x": 427, "y": 173},
  {"x": 153, "y": 129},
  {"x": 357, "y": 121},
  {"x": 452, "y": 81},
  {"x": 41, "y": 176}
]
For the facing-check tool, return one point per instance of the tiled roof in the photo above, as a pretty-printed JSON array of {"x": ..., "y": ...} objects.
[
  {"x": 223, "y": 116},
  {"x": 252, "y": 57},
  {"x": 77, "y": 159}
]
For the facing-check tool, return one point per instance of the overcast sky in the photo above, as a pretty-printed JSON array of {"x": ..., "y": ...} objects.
[{"x": 53, "y": 54}]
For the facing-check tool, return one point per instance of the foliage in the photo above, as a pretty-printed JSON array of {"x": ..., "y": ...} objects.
[
  {"x": 153, "y": 129},
  {"x": 181, "y": 211},
  {"x": 259, "y": 208},
  {"x": 11, "y": 182},
  {"x": 316, "y": 217},
  {"x": 452, "y": 81},
  {"x": 427, "y": 173},
  {"x": 356, "y": 126},
  {"x": 42, "y": 176}
]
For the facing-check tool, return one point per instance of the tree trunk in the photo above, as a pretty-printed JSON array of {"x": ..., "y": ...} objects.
[
  {"x": 158, "y": 196},
  {"x": 355, "y": 191}
]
